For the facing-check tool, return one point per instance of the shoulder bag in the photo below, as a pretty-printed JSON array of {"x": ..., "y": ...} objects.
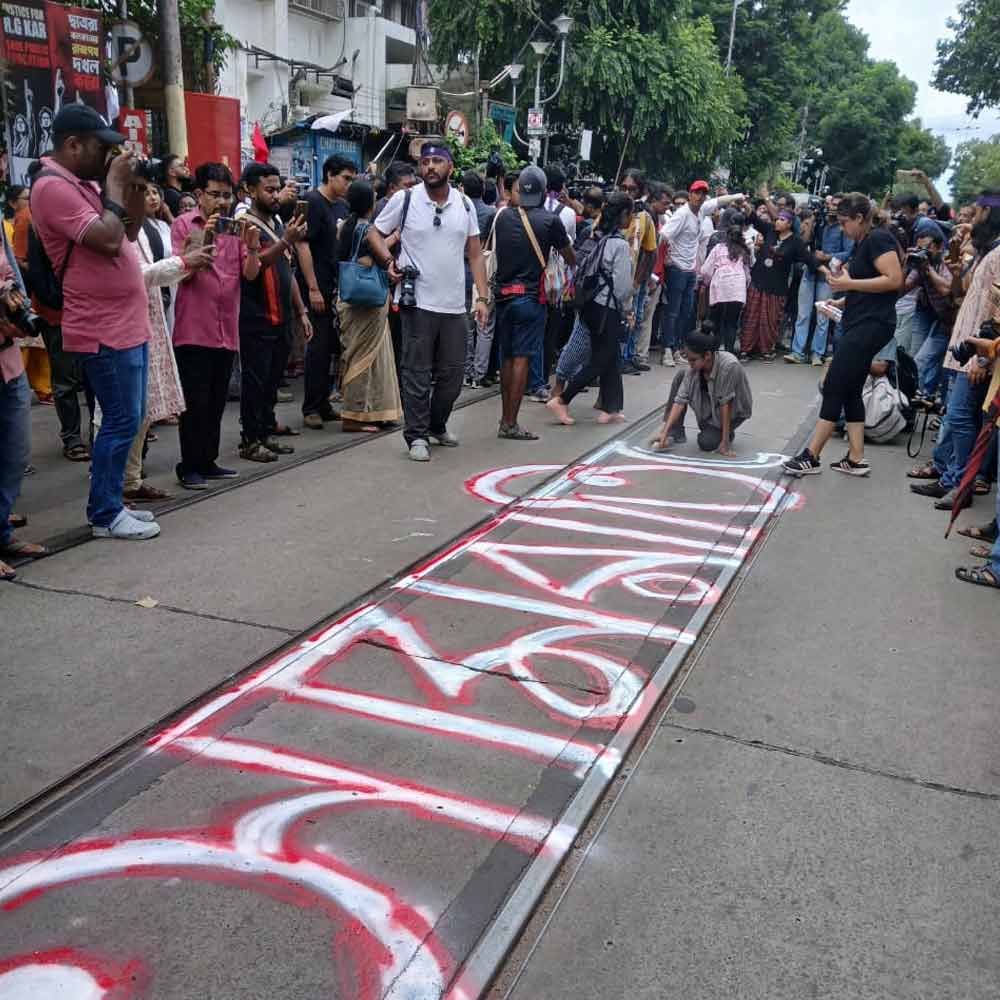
[{"x": 366, "y": 287}]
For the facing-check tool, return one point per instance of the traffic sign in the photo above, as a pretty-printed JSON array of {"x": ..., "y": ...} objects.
[
  {"x": 536, "y": 121},
  {"x": 133, "y": 55}
]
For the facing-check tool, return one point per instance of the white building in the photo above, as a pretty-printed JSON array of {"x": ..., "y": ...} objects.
[{"x": 305, "y": 57}]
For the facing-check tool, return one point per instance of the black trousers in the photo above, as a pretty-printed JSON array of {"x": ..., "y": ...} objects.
[
  {"x": 67, "y": 381},
  {"x": 726, "y": 317},
  {"x": 204, "y": 373},
  {"x": 396, "y": 332},
  {"x": 263, "y": 359},
  {"x": 605, "y": 359},
  {"x": 709, "y": 436},
  {"x": 431, "y": 376},
  {"x": 845, "y": 378},
  {"x": 320, "y": 354}
]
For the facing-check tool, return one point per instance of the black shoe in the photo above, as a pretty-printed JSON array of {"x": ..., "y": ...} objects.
[
  {"x": 934, "y": 490},
  {"x": 218, "y": 472},
  {"x": 642, "y": 366},
  {"x": 190, "y": 480},
  {"x": 630, "y": 369},
  {"x": 804, "y": 464},
  {"x": 849, "y": 468}
]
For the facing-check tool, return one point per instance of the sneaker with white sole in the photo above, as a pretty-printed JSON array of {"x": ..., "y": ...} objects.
[
  {"x": 804, "y": 464},
  {"x": 680, "y": 358},
  {"x": 445, "y": 440},
  {"x": 668, "y": 359},
  {"x": 146, "y": 516},
  {"x": 850, "y": 468},
  {"x": 126, "y": 527},
  {"x": 419, "y": 452}
]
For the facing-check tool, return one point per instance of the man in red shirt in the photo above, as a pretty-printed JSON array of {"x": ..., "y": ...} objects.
[
  {"x": 89, "y": 236},
  {"x": 207, "y": 323}
]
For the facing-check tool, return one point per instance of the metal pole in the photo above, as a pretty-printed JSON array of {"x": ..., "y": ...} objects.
[
  {"x": 538, "y": 97},
  {"x": 129, "y": 92},
  {"x": 732, "y": 35},
  {"x": 173, "y": 77}
]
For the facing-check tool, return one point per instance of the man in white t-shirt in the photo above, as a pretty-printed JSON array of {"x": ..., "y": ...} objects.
[
  {"x": 438, "y": 227},
  {"x": 683, "y": 234}
]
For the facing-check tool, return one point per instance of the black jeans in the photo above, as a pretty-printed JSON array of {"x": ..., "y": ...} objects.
[
  {"x": 846, "y": 375},
  {"x": 433, "y": 356},
  {"x": 320, "y": 354},
  {"x": 67, "y": 381},
  {"x": 204, "y": 373},
  {"x": 726, "y": 317},
  {"x": 605, "y": 359},
  {"x": 263, "y": 359}
]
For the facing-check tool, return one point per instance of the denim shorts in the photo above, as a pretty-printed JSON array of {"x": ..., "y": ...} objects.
[{"x": 520, "y": 326}]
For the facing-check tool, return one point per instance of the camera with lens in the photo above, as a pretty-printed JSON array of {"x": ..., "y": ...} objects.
[
  {"x": 22, "y": 319},
  {"x": 149, "y": 170},
  {"x": 408, "y": 287},
  {"x": 963, "y": 353},
  {"x": 917, "y": 257}
]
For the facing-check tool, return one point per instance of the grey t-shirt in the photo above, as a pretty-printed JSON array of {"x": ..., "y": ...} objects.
[
  {"x": 727, "y": 383},
  {"x": 617, "y": 263}
]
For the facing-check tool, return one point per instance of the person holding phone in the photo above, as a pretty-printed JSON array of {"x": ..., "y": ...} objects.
[{"x": 206, "y": 322}]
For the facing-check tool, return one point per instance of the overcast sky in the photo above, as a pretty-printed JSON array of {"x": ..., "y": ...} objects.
[{"x": 906, "y": 31}]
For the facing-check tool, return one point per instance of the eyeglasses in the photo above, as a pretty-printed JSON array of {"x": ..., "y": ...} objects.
[{"x": 629, "y": 187}]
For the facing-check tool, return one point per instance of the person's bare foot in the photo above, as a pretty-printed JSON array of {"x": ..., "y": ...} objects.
[
  {"x": 7, "y": 572},
  {"x": 610, "y": 418},
  {"x": 561, "y": 411}
]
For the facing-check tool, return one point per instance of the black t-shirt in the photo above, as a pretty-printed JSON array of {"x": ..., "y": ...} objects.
[
  {"x": 322, "y": 218},
  {"x": 865, "y": 307},
  {"x": 773, "y": 269},
  {"x": 266, "y": 302},
  {"x": 517, "y": 262},
  {"x": 173, "y": 199}
]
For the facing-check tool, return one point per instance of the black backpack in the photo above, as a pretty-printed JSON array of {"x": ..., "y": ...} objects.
[
  {"x": 591, "y": 276},
  {"x": 906, "y": 373},
  {"x": 41, "y": 279}
]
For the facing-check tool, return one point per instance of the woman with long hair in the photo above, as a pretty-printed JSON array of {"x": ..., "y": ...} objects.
[
  {"x": 369, "y": 385},
  {"x": 726, "y": 272},
  {"x": 605, "y": 318},
  {"x": 870, "y": 282}
]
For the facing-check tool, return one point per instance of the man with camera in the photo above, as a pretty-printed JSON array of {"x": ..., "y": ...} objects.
[
  {"x": 437, "y": 228},
  {"x": 207, "y": 321},
  {"x": 833, "y": 244},
  {"x": 971, "y": 377},
  {"x": 87, "y": 209}
]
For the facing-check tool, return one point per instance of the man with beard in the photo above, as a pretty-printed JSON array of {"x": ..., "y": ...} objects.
[
  {"x": 437, "y": 228},
  {"x": 267, "y": 302}
]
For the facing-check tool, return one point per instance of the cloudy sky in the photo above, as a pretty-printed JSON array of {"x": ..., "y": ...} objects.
[{"x": 906, "y": 32}]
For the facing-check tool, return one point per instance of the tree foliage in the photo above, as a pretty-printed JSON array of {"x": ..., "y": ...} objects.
[
  {"x": 976, "y": 166},
  {"x": 920, "y": 148},
  {"x": 644, "y": 71},
  {"x": 969, "y": 62},
  {"x": 483, "y": 141}
]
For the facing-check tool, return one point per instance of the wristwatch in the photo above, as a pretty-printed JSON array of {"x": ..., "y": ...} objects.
[
  {"x": 115, "y": 209},
  {"x": 484, "y": 299}
]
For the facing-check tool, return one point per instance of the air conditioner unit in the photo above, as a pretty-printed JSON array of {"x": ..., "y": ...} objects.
[{"x": 422, "y": 104}]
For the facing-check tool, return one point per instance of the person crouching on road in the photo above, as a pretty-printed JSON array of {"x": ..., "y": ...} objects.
[
  {"x": 437, "y": 226},
  {"x": 715, "y": 386}
]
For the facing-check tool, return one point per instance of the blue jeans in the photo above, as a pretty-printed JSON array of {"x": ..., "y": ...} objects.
[
  {"x": 813, "y": 289},
  {"x": 930, "y": 357},
  {"x": 923, "y": 324},
  {"x": 994, "y": 562},
  {"x": 15, "y": 444},
  {"x": 639, "y": 306},
  {"x": 520, "y": 327},
  {"x": 679, "y": 311},
  {"x": 119, "y": 382},
  {"x": 965, "y": 415}
]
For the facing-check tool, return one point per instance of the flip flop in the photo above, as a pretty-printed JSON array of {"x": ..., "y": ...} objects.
[
  {"x": 78, "y": 453},
  {"x": 925, "y": 471},
  {"x": 981, "y": 488},
  {"x": 283, "y": 431},
  {"x": 979, "y": 533},
  {"x": 981, "y": 576},
  {"x": 17, "y": 521},
  {"x": 981, "y": 551},
  {"x": 26, "y": 550},
  {"x": 7, "y": 573}
]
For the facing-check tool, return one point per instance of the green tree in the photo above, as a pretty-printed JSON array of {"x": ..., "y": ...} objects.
[
  {"x": 969, "y": 63},
  {"x": 483, "y": 141},
  {"x": 642, "y": 72},
  {"x": 920, "y": 148},
  {"x": 976, "y": 166}
]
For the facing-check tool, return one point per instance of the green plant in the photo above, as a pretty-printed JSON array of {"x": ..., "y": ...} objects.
[{"x": 482, "y": 143}]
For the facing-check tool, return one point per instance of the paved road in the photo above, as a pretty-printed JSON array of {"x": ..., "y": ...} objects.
[{"x": 374, "y": 808}]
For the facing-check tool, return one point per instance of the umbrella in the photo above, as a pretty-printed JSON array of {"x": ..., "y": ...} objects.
[{"x": 983, "y": 441}]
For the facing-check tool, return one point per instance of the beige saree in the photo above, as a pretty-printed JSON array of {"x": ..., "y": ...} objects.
[{"x": 370, "y": 387}]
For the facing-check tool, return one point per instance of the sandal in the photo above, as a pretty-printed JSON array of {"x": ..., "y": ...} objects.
[
  {"x": 981, "y": 551},
  {"x": 17, "y": 521},
  {"x": 7, "y": 573},
  {"x": 981, "y": 533},
  {"x": 925, "y": 471},
  {"x": 515, "y": 432},
  {"x": 24, "y": 550},
  {"x": 981, "y": 488},
  {"x": 358, "y": 427},
  {"x": 77, "y": 453},
  {"x": 147, "y": 494},
  {"x": 981, "y": 576},
  {"x": 284, "y": 431}
]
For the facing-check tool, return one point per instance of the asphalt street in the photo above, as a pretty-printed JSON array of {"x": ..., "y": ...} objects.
[{"x": 375, "y": 705}]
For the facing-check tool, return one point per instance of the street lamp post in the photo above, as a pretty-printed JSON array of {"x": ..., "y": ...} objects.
[{"x": 563, "y": 25}]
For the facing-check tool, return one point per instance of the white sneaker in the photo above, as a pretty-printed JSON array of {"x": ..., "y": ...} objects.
[
  {"x": 146, "y": 516},
  {"x": 445, "y": 440},
  {"x": 419, "y": 452},
  {"x": 679, "y": 358},
  {"x": 668, "y": 358},
  {"x": 127, "y": 527}
]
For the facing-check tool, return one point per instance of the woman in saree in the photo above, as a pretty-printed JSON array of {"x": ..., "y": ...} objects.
[{"x": 369, "y": 385}]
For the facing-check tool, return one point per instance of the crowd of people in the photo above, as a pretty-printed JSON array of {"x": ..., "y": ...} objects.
[{"x": 159, "y": 299}]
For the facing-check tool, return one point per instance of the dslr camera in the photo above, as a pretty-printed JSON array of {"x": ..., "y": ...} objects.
[
  {"x": 965, "y": 352},
  {"x": 408, "y": 287},
  {"x": 917, "y": 257}
]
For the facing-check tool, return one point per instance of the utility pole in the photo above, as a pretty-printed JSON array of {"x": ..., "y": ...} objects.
[
  {"x": 732, "y": 35},
  {"x": 173, "y": 77},
  {"x": 129, "y": 92},
  {"x": 802, "y": 143}
]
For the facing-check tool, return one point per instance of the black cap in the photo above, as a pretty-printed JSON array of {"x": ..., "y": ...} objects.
[
  {"x": 79, "y": 119},
  {"x": 531, "y": 184}
]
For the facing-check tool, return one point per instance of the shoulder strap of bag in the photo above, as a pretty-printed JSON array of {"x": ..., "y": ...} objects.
[
  {"x": 406, "y": 209},
  {"x": 526, "y": 222},
  {"x": 360, "y": 230},
  {"x": 491, "y": 240},
  {"x": 46, "y": 172}
]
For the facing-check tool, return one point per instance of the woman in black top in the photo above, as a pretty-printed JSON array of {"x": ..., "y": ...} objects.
[
  {"x": 769, "y": 281},
  {"x": 871, "y": 283}
]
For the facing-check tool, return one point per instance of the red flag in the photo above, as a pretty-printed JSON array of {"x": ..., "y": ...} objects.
[{"x": 260, "y": 150}]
